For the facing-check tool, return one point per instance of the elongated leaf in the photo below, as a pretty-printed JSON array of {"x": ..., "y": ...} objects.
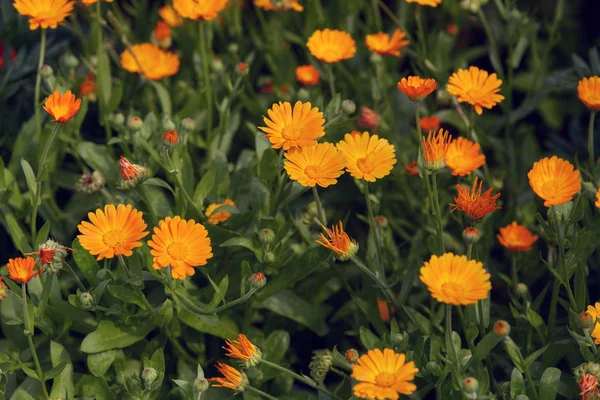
[
  {"x": 62, "y": 386},
  {"x": 99, "y": 363},
  {"x": 289, "y": 305},
  {"x": 163, "y": 97},
  {"x": 204, "y": 187},
  {"x": 549, "y": 383},
  {"x": 484, "y": 347},
  {"x": 109, "y": 336},
  {"x": 86, "y": 262},
  {"x": 517, "y": 386},
  {"x": 29, "y": 178}
]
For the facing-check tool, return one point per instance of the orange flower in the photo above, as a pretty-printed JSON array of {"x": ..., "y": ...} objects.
[
  {"x": 452, "y": 29},
  {"x": 463, "y": 157},
  {"x": 339, "y": 242},
  {"x": 369, "y": 119},
  {"x": 412, "y": 168},
  {"x": 307, "y": 75},
  {"x": 215, "y": 218},
  {"x": 429, "y": 3},
  {"x": 243, "y": 349},
  {"x": 315, "y": 165},
  {"x": 591, "y": 317},
  {"x": 416, "y": 88},
  {"x": 268, "y": 5},
  {"x": 232, "y": 378},
  {"x": 289, "y": 128},
  {"x": 150, "y": 60},
  {"x": 88, "y": 87},
  {"x": 588, "y": 91},
  {"x": 476, "y": 87},
  {"x": 130, "y": 171},
  {"x": 588, "y": 384},
  {"x": 384, "y": 310},
  {"x": 90, "y": 2},
  {"x": 429, "y": 123},
  {"x": 162, "y": 31},
  {"x": 473, "y": 203},
  {"x": 597, "y": 203},
  {"x": 435, "y": 149},
  {"x": 516, "y": 237},
  {"x": 367, "y": 157},
  {"x": 331, "y": 46},
  {"x": 62, "y": 107},
  {"x": 170, "y": 137},
  {"x": 44, "y": 13},
  {"x": 196, "y": 9},
  {"x": 170, "y": 16},
  {"x": 554, "y": 180},
  {"x": 381, "y": 43},
  {"x": 21, "y": 269}
]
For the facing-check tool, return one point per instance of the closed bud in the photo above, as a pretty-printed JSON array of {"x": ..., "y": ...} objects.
[
  {"x": 149, "y": 375},
  {"x": 269, "y": 257},
  {"x": 352, "y": 355},
  {"x": 521, "y": 289},
  {"x": 471, "y": 235},
  {"x": 201, "y": 385},
  {"x": 303, "y": 94},
  {"x": 472, "y": 5},
  {"x": 375, "y": 58},
  {"x": 587, "y": 320},
  {"x": 170, "y": 137},
  {"x": 266, "y": 236},
  {"x": 135, "y": 123},
  {"x": 71, "y": 61},
  {"x": 348, "y": 107},
  {"x": 242, "y": 68},
  {"x": 46, "y": 71},
  {"x": 168, "y": 125},
  {"x": 233, "y": 48},
  {"x": 502, "y": 328},
  {"x": 258, "y": 280},
  {"x": 382, "y": 221},
  {"x": 86, "y": 300},
  {"x": 433, "y": 368},
  {"x": 93, "y": 61},
  {"x": 188, "y": 124},
  {"x": 2, "y": 289},
  {"x": 117, "y": 119},
  {"x": 217, "y": 64},
  {"x": 312, "y": 209},
  {"x": 470, "y": 385},
  {"x": 90, "y": 182}
]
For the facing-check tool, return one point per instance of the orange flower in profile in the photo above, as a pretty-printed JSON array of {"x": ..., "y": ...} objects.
[
  {"x": 367, "y": 157},
  {"x": 588, "y": 91},
  {"x": 170, "y": 16},
  {"x": 384, "y": 309},
  {"x": 435, "y": 148},
  {"x": 170, "y": 137},
  {"x": 339, "y": 242},
  {"x": 232, "y": 378},
  {"x": 215, "y": 218},
  {"x": 516, "y": 237},
  {"x": 130, "y": 171},
  {"x": 381, "y": 43},
  {"x": 62, "y": 107},
  {"x": 197, "y": 9},
  {"x": 243, "y": 349},
  {"x": 182, "y": 244},
  {"x": 90, "y": 2},
  {"x": 162, "y": 33},
  {"x": 473, "y": 203},
  {"x": 597, "y": 203},
  {"x": 289, "y": 128},
  {"x": 476, "y": 87},
  {"x": 555, "y": 180},
  {"x": 307, "y": 75},
  {"x": 463, "y": 156},
  {"x": 88, "y": 87},
  {"x": 268, "y": 5},
  {"x": 331, "y": 46},
  {"x": 315, "y": 165},
  {"x": 416, "y": 88},
  {"x": 383, "y": 375},
  {"x": 150, "y": 60},
  {"x": 413, "y": 168},
  {"x": 590, "y": 317},
  {"x": 21, "y": 269},
  {"x": 113, "y": 231},
  {"x": 44, "y": 13},
  {"x": 429, "y": 3},
  {"x": 429, "y": 123}
]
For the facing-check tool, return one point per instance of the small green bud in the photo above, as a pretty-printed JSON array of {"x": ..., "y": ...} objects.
[
  {"x": 201, "y": 385},
  {"x": 522, "y": 397},
  {"x": 233, "y": 48},
  {"x": 433, "y": 368},
  {"x": 149, "y": 375},
  {"x": 71, "y": 61},
  {"x": 471, "y": 235},
  {"x": 86, "y": 300},
  {"x": 312, "y": 209},
  {"x": 258, "y": 280},
  {"x": 188, "y": 124},
  {"x": 266, "y": 236},
  {"x": 117, "y": 119},
  {"x": 135, "y": 123},
  {"x": 303, "y": 94},
  {"x": 46, "y": 71},
  {"x": 217, "y": 64},
  {"x": 470, "y": 385},
  {"x": 501, "y": 328},
  {"x": 375, "y": 58},
  {"x": 168, "y": 125},
  {"x": 269, "y": 257},
  {"x": 348, "y": 107},
  {"x": 521, "y": 289}
]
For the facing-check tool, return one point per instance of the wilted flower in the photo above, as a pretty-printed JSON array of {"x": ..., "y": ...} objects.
[
  {"x": 588, "y": 384},
  {"x": 320, "y": 364},
  {"x": 51, "y": 255},
  {"x": 131, "y": 174},
  {"x": 473, "y": 203}
]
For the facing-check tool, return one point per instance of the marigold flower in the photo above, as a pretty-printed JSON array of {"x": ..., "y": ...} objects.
[
  {"x": 516, "y": 237},
  {"x": 315, "y": 165},
  {"x": 289, "y": 128},
  {"x": 588, "y": 384},
  {"x": 416, "y": 88},
  {"x": 435, "y": 149},
  {"x": 338, "y": 242},
  {"x": 232, "y": 378},
  {"x": 429, "y": 3},
  {"x": 44, "y": 13},
  {"x": 501, "y": 328},
  {"x": 62, "y": 107},
  {"x": 369, "y": 119},
  {"x": 331, "y": 46},
  {"x": 268, "y": 5},
  {"x": 474, "y": 204},
  {"x": 150, "y": 60},
  {"x": 383, "y": 375},
  {"x": 453, "y": 279},
  {"x": 593, "y": 313},
  {"x": 413, "y": 168},
  {"x": 162, "y": 34},
  {"x": 215, "y": 218},
  {"x": 196, "y": 9},
  {"x": 384, "y": 309},
  {"x": 21, "y": 269},
  {"x": 182, "y": 244},
  {"x": 588, "y": 91},
  {"x": 307, "y": 75},
  {"x": 170, "y": 137},
  {"x": 597, "y": 203},
  {"x": 367, "y": 157},
  {"x": 88, "y": 87},
  {"x": 130, "y": 171},
  {"x": 429, "y": 123},
  {"x": 381, "y": 43},
  {"x": 170, "y": 16},
  {"x": 3, "y": 289},
  {"x": 555, "y": 180},
  {"x": 243, "y": 349},
  {"x": 352, "y": 355},
  {"x": 463, "y": 156},
  {"x": 476, "y": 87},
  {"x": 90, "y": 2}
]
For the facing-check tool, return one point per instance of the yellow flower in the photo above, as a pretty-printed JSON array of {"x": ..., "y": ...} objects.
[
  {"x": 44, "y": 13},
  {"x": 62, "y": 107},
  {"x": 339, "y": 242},
  {"x": 182, "y": 244},
  {"x": 151, "y": 61},
  {"x": 307, "y": 75},
  {"x": 90, "y": 2},
  {"x": 331, "y": 46},
  {"x": 429, "y": 3},
  {"x": 476, "y": 87},
  {"x": 232, "y": 378},
  {"x": 554, "y": 180},
  {"x": 170, "y": 16},
  {"x": 463, "y": 157},
  {"x": 21, "y": 269},
  {"x": 367, "y": 157},
  {"x": 588, "y": 91},
  {"x": 473, "y": 203},
  {"x": 435, "y": 149},
  {"x": 381, "y": 43},
  {"x": 453, "y": 279},
  {"x": 243, "y": 349},
  {"x": 196, "y": 9},
  {"x": 268, "y": 5},
  {"x": 516, "y": 237},
  {"x": 220, "y": 216},
  {"x": 383, "y": 375},
  {"x": 592, "y": 314},
  {"x": 315, "y": 165},
  {"x": 416, "y": 88},
  {"x": 597, "y": 203}
]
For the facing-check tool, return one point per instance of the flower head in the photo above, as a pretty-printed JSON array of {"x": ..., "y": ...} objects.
[
  {"x": 90, "y": 182},
  {"x": 88, "y": 87},
  {"x": 555, "y": 180},
  {"x": 593, "y": 313},
  {"x": 381, "y": 43},
  {"x": 131, "y": 174},
  {"x": 383, "y": 375},
  {"x": 113, "y": 231},
  {"x": 62, "y": 107},
  {"x": 476, "y": 87},
  {"x": 90, "y": 2},
  {"x": 588, "y": 384},
  {"x": 162, "y": 34},
  {"x": 284, "y": 5},
  {"x": 416, "y": 88},
  {"x": 292, "y": 128},
  {"x": 331, "y": 46},
  {"x": 384, "y": 309},
  {"x": 243, "y": 349},
  {"x": 150, "y": 60},
  {"x": 315, "y": 165},
  {"x": 3, "y": 289},
  {"x": 516, "y": 237},
  {"x": 307, "y": 75},
  {"x": 170, "y": 137},
  {"x": 196, "y": 9},
  {"x": 412, "y": 168},
  {"x": 51, "y": 254},
  {"x": 588, "y": 91},
  {"x": 170, "y": 16},
  {"x": 339, "y": 242},
  {"x": 429, "y": 123},
  {"x": 473, "y": 203},
  {"x": 367, "y": 157},
  {"x": 21, "y": 269},
  {"x": 435, "y": 149},
  {"x": 44, "y": 13},
  {"x": 369, "y": 119},
  {"x": 232, "y": 378},
  {"x": 501, "y": 328},
  {"x": 455, "y": 280},
  {"x": 215, "y": 218},
  {"x": 463, "y": 156},
  {"x": 429, "y": 3}
]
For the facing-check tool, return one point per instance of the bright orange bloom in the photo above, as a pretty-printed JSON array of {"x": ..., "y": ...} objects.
[
  {"x": 215, "y": 218},
  {"x": 232, "y": 378},
  {"x": 88, "y": 87},
  {"x": 435, "y": 149},
  {"x": 170, "y": 137},
  {"x": 416, "y": 88},
  {"x": 554, "y": 180},
  {"x": 243, "y": 349},
  {"x": 413, "y": 168},
  {"x": 44, "y": 13},
  {"x": 182, "y": 244},
  {"x": 62, "y": 107},
  {"x": 516, "y": 237},
  {"x": 588, "y": 91},
  {"x": 331, "y": 46},
  {"x": 339, "y": 242},
  {"x": 170, "y": 16},
  {"x": 429, "y": 123},
  {"x": 268, "y": 5},
  {"x": 293, "y": 128},
  {"x": 130, "y": 171},
  {"x": 384, "y": 309},
  {"x": 463, "y": 156},
  {"x": 381, "y": 43},
  {"x": 162, "y": 31},
  {"x": 473, "y": 203},
  {"x": 90, "y": 2},
  {"x": 597, "y": 203},
  {"x": 196, "y": 9},
  {"x": 21, "y": 269},
  {"x": 476, "y": 87},
  {"x": 429, "y": 3},
  {"x": 315, "y": 165},
  {"x": 150, "y": 60},
  {"x": 367, "y": 157},
  {"x": 307, "y": 75}
]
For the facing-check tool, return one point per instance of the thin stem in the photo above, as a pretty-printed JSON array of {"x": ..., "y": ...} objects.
[
  {"x": 389, "y": 296},
  {"x": 591, "y": 145},
  {"x": 494, "y": 47},
  {"x": 28, "y": 331},
  {"x": 389, "y": 13},
  {"x": 469, "y": 250},
  {"x": 38, "y": 82},
  {"x": 260, "y": 393},
  {"x": 530, "y": 380},
  {"x": 438, "y": 213},
  {"x": 481, "y": 322},
  {"x": 463, "y": 322},
  {"x": 421, "y": 31},
  {"x": 81, "y": 286},
  {"x": 375, "y": 229},
  {"x": 562, "y": 270},
  {"x": 553, "y": 307},
  {"x": 418, "y": 122},
  {"x": 376, "y": 15},
  {"x": 331, "y": 79},
  {"x": 320, "y": 209},
  {"x": 207, "y": 87},
  {"x": 514, "y": 268}
]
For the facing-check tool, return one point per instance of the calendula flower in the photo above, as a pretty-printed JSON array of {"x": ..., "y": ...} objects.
[
  {"x": 381, "y": 43},
  {"x": 284, "y": 5},
  {"x": 199, "y": 9},
  {"x": 412, "y": 168},
  {"x": 220, "y": 216},
  {"x": 593, "y": 313},
  {"x": 232, "y": 378},
  {"x": 473, "y": 203},
  {"x": 307, "y": 75},
  {"x": 339, "y": 242},
  {"x": 243, "y": 349},
  {"x": 182, "y": 244},
  {"x": 463, "y": 156},
  {"x": 44, "y": 13},
  {"x": 150, "y": 61},
  {"x": 383, "y": 375},
  {"x": 21, "y": 269},
  {"x": 369, "y": 119},
  {"x": 476, "y": 87},
  {"x": 161, "y": 35},
  {"x": 516, "y": 237},
  {"x": 62, "y": 107},
  {"x": 588, "y": 91},
  {"x": 88, "y": 87},
  {"x": 435, "y": 149},
  {"x": 113, "y": 231},
  {"x": 429, "y": 3},
  {"x": 367, "y": 157},
  {"x": 331, "y": 46},
  {"x": 597, "y": 203},
  {"x": 416, "y": 88},
  {"x": 170, "y": 16},
  {"x": 289, "y": 128},
  {"x": 429, "y": 123},
  {"x": 51, "y": 255},
  {"x": 131, "y": 174},
  {"x": 170, "y": 137},
  {"x": 90, "y": 2},
  {"x": 384, "y": 309},
  {"x": 452, "y": 29},
  {"x": 315, "y": 165},
  {"x": 455, "y": 280},
  {"x": 555, "y": 180},
  {"x": 588, "y": 384}
]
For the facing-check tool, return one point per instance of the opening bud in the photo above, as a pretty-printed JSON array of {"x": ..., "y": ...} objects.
[
  {"x": 470, "y": 385},
  {"x": 502, "y": 328},
  {"x": 266, "y": 236},
  {"x": 149, "y": 375},
  {"x": 258, "y": 280}
]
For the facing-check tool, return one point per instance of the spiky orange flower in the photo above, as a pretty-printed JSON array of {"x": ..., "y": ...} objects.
[
  {"x": 62, "y": 107},
  {"x": 554, "y": 180},
  {"x": 476, "y": 87},
  {"x": 215, "y": 218},
  {"x": 429, "y": 3},
  {"x": 597, "y": 203},
  {"x": 243, "y": 349},
  {"x": 339, "y": 242},
  {"x": 473, "y": 203},
  {"x": 232, "y": 378},
  {"x": 331, "y": 46},
  {"x": 113, "y": 231},
  {"x": 44, "y": 13},
  {"x": 463, "y": 156},
  {"x": 381, "y": 43},
  {"x": 429, "y": 123},
  {"x": 593, "y": 313},
  {"x": 289, "y": 128},
  {"x": 21, "y": 269},
  {"x": 516, "y": 237},
  {"x": 367, "y": 157},
  {"x": 416, "y": 88},
  {"x": 170, "y": 16},
  {"x": 130, "y": 171},
  {"x": 88, "y": 87},
  {"x": 150, "y": 60},
  {"x": 383, "y": 375},
  {"x": 90, "y": 2},
  {"x": 307, "y": 75},
  {"x": 315, "y": 165},
  {"x": 412, "y": 168},
  {"x": 268, "y": 5},
  {"x": 455, "y": 280},
  {"x": 588, "y": 384},
  {"x": 435, "y": 149},
  {"x": 196, "y": 9},
  {"x": 588, "y": 91}
]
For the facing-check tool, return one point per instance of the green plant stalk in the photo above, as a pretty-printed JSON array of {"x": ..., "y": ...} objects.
[
  {"x": 591, "y": 146},
  {"x": 207, "y": 87},
  {"x": 553, "y": 307},
  {"x": 469, "y": 250},
  {"x": 562, "y": 269},
  {"x": 514, "y": 270},
  {"x": 375, "y": 228},
  {"x": 389, "y": 13},
  {"x": 224, "y": 307},
  {"x": 448, "y": 334},
  {"x": 376, "y": 15},
  {"x": 421, "y": 31},
  {"x": 320, "y": 209},
  {"x": 389, "y": 295},
  {"x": 530, "y": 380},
  {"x": 28, "y": 331},
  {"x": 260, "y": 393},
  {"x": 418, "y": 123},
  {"x": 331, "y": 79},
  {"x": 492, "y": 40},
  {"x": 81, "y": 285},
  {"x": 438, "y": 212},
  {"x": 463, "y": 322},
  {"x": 38, "y": 84}
]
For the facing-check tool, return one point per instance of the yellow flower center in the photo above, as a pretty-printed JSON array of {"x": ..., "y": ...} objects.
[
  {"x": 385, "y": 379},
  {"x": 312, "y": 172},
  {"x": 113, "y": 239},
  {"x": 177, "y": 251},
  {"x": 365, "y": 165},
  {"x": 452, "y": 290},
  {"x": 550, "y": 188},
  {"x": 291, "y": 132}
]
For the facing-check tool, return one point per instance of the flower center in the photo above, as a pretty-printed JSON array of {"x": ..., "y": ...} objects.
[
  {"x": 452, "y": 290},
  {"x": 312, "y": 172},
  {"x": 113, "y": 239},
  {"x": 385, "y": 379},
  {"x": 177, "y": 251},
  {"x": 365, "y": 165},
  {"x": 550, "y": 188},
  {"x": 291, "y": 132}
]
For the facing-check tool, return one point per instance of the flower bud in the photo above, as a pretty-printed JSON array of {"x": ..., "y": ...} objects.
[
  {"x": 369, "y": 119},
  {"x": 320, "y": 363},
  {"x": 258, "y": 280},
  {"x": 242, "y": 69},
  {"x": 131, "y": 174},
  {"x": 149, "y": 375},
  {"x": 46, "y": 71},
  {"x": 117, "y": 119},
  {"x": 303, "y": 94},
  {"x": 201, "y": 385},
  {"x": 168, "y": 125},
  {"x": 375, "y": 58},
  {"x": 312, "y": 209},
  {"x": 93, "y": 61},
  {"x": 521, "y": 289},
  {"x": 170, "y": 137},
  {"x": 471, "y": 235},
  {"x": 470, "y": 385},
  {"x": 233, "y": 48},
  {"x": 52, "y": 254},
  {"x": 502, "y": 328},
  {"x": 587, "y": 320},
  {"x": 188, "y": 124},
  {"x": 382, "y": 221},
  {"x": 472, "y": 5},
  {"x": 352, "y": 355},
  {"x": 217, "y": 64},
  {"x": 71, "y": 61},
  {"x": 266, "y": 236},
  {"x": 269, "y": 257},
  {"x": 135, "y": 123},
  {"x": 86, "y": 300},
  {"x": 433, "y": 368},
  {"x": 348, "y": 107}
]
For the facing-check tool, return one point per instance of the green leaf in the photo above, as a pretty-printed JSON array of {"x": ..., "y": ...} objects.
[
  {"x": 513, "y": 352},
  {"x": 20, "y": 394},
  {"x": 534, "y": 356},
  {"x": 99, "y": 363},
  {"x": 276, "y": 345},
  {"x": 43, "y": 233},
  {"x": 267, "y": 167},
  {"x": 220, "y": 290},
  {"x": 418, "y": 319},
  {"x": 484, "y": 347},
  {"x": 225, "y": 327},
  {"x": 94, "y": 388},
  {"x": 127, "y": 295},
  {"x": 30, "y": 179},
  {"x": 16, "y": 233},
  {"x": 289, "y": 305},
  {"x": 163, "y": 97},
  {"x": 581, "y": 289},
  {"x": 164, "y": 314},
  {"x": 62, "y": 387},
  {"x": 369, "y": 339},
  {"x": 52, "y": 373},
  {"x": 204, "y": 187},
  {"x": 517, "y": 386},
  {"x": 110, "y": 336},
  {"x": 243, "y": 242},
  {"x": 536, "y": 321},
  {"x": 86, "y": 262},
  {"x": 160, "y": 183},
  {"x": 549, "y": 383},
  {"x": 103, "y": 76},
  {"x": 98, "y": 158},
  {"x": 115, "y": 98}
]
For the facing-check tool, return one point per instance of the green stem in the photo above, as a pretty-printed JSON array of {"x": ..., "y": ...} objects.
[
  {"x": 422, "y": 41},
  {"x": 493, "y": 46},
  {"x": 438, "y": 213},
  {"x": 206, "y": 71},
  {"x": 38, "y": 83},
  {"x": 463, "y": 322},
  {"x": 591, "y": 145},
  {"x": 553, "y": 307},
  {"x": 331, "y": 79},
  {"x": 375, "y": 229},
  {"x": 530, "y": 380},
  {"x": 376, "y": 15},
  {"x": 188, "y": 198},
  {"x": 389, "y": 296},
  {"x": 29, "y": 333},
  {"x": 481, "y": 322},
  {"x": 418, "y": 123},
  {"x": 260, "y": 393},
  {"x": 389, "y": 13},
  {"x": 224, "y": 307},
  {"x": 514, "y": 271},
  {"x": 320, "y": 209},
  {"x": 562, "y": 269},
  {"x": 81, "y": 286},
  {"x": 469, "y": 250}
]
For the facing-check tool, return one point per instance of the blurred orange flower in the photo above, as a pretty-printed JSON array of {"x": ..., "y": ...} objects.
[
  {"x": 369, "y": 119},
  {"x": 197, "y": 9},
  {"x": 588, "y": 91},
  {"x": 429, "y": 3},
  {"x": 473, "y": 203},
  {"x": 416, "y": 88},
  {"x": 331, "y": 46},
  {"x": 367, "y": 157},
  {"x": 215, "y": 218},
  {"x": 21, "y": 269},
  {"x": 44, "y": 13},
  {"x": 307, "y": 75},
  {"x": 268, "y": 5},
  {"x": 289, "y": 128},
  {"x": 412, "y": 168},
  {"x": 429, "y": 123},
  {"x": 62, "y": 107},
  {"x": 90, "y": 2},
  {"x": 150, "y": 60},
  {"x": 170, "y": 16},
  {"x": 384, "y": 309},
  {"x": 170, "y": 137},
  {"x": 554, "y": 180},
  {"x": 476, "y": 87},
  {"x": 88, "y": 87},
  {"x": 381, "y": 43},
  {"x": 315, "y": 165},
  {"x": 162, "y": 34},
  {"x": 516, "y": 237},
  {"x": 463, "y": 156},
  {"x": 597, "y": 203}
]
